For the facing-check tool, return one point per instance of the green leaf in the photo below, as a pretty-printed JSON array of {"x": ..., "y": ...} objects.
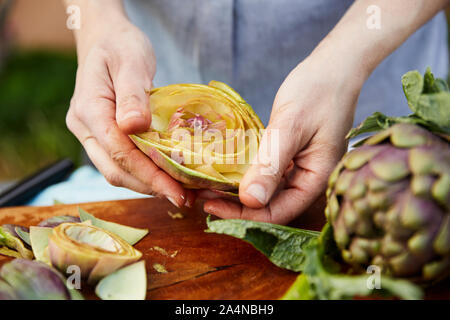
[
  {"x": 435, "y": 108},
  {"x": 375, "y": 122},
  {"x": 128, "y": 283},
  {"x": 378, "y": 121},
  {"x": 282, "y": 245},
  {"x": 299, "y": 290},
  {"x": 413, "y": 84},
  {"x": 428, "y": 98},
  {"x": 318, "y": 281},
  {"x": 433, "y": 85},
  {"x": 129, "y": 234}
]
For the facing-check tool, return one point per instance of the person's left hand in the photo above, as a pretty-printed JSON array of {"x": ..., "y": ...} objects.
[{"x": 313, "y": 111}]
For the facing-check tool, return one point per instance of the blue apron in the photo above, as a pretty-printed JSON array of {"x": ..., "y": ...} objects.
[{"x": 253, "y": 44}]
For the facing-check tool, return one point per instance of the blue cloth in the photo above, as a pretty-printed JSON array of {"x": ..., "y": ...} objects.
[{"x": 84, "y": 185}]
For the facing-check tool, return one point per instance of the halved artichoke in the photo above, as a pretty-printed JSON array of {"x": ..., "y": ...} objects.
[
  {"x": 202, "y": 135},
  {"x": 95, "y": 251}
]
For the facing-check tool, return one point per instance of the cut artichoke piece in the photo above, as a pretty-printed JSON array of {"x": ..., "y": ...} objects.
[
  {"x": 23, "y": 279},
  {"x": 57, "y": 220},
  {"x": 97, "y": 252},
  {"x": 9, "y": 239},
  {"x": 129, "y": 234},
  {"x": 202, "y": 135},
  {"x": 128, "y": 283},
  {"x": 39, "y": 242},
  {"x": 24, "y": 234}
]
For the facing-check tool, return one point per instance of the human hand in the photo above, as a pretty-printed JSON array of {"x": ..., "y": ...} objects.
[
  {"x": 116, "y": 66},
  {"x": 312, "y": 113}
]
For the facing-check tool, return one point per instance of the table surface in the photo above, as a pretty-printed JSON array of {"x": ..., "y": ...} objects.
[{"x": 206, "y": 266}]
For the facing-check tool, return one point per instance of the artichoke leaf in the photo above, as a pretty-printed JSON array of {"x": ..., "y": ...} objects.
[
  {"x": 274, "y": 241},
  {"x": 128, "y": 283},
  {"x": 23, "y": 234},
  {"x": 9, "y": 252},
  {"x": 39, "y": 242},
  {"x": 129, "y": 234},
  {"x": 10, "y": 239}
]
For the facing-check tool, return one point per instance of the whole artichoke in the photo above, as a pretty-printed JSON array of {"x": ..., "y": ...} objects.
[{"x": 389, "y": 203}]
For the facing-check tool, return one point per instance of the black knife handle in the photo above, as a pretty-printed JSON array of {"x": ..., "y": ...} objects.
[{"x": 23, "y": 191}]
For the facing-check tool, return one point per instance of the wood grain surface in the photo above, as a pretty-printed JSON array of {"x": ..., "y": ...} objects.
[{"x": 206, "y": 266}]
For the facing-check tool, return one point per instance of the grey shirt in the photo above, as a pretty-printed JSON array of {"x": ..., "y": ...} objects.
[{"x": 252, "y": 45}]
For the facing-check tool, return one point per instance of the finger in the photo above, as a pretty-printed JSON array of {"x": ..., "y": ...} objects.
[
  {"x": 282, "y": 209},
  {"x": 132, "y": 102},
  {"x": 110, "y": 170},
  {"x": 290, "y": 202},
  {"x": 213, "y": 194},
  {"x": 302, "y": 189},
  {"x": 101, "y": 123},
  {"x": 282, "y": 139},
  {"x": 232, "y": 210},
  {"x": 191, "y": 196}
]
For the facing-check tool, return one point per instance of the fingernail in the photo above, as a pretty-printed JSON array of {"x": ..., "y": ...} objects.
[
  {"x": 258, "y": 192},
  {"x": 188, "y": 203},
  {"x": 208, "y": 209},
  {"x": 132, "y": 114},
  {"x": 173, "y": 202}
]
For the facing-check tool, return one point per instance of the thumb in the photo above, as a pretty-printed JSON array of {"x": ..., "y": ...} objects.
[
  {"x": 132, "y": 109},
  {"x": 278, "y": 147}
]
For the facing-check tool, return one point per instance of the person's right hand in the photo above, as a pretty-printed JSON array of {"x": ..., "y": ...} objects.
[{"x": 116, "y": 66}]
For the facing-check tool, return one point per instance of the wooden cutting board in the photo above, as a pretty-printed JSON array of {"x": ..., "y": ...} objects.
[{"x": 206, "y": 266}]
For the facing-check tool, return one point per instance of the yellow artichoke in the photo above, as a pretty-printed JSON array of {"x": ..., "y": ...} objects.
[{"x": 204, "y": 136}]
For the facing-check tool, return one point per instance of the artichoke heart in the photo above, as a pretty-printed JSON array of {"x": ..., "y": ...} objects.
[
  {"x": 204, "y": 136},
  {"x": 95, "y": 251}
]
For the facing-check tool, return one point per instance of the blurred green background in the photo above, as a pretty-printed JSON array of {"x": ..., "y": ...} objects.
[
  {"x": 37, "y": 77},
  {"x": 35, "y": 90}
]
